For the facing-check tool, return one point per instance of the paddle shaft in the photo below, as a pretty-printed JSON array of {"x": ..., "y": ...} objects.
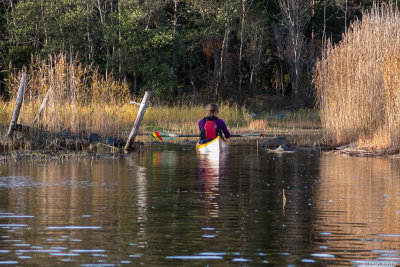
[
  {"x": 187, "y": 135},
  {"x": 232, "y": 135},
  {"x": 197, "y": 135},
  {"x": 248, "y": 135}
]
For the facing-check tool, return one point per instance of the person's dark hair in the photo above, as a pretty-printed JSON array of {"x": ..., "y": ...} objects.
[{"x": 212, "y": 109}]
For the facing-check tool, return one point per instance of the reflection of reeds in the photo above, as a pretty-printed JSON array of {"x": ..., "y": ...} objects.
[
  {"x": 357, "y": 199},
  {"x": 358, "y": 82}
]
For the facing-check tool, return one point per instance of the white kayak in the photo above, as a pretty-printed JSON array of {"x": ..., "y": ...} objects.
[{"x": 215, "y": 146}]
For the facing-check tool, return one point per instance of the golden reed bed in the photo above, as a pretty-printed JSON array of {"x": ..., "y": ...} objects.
[
  {"x": 84, "y": 101},
  {"x": 358, "y": 82}
]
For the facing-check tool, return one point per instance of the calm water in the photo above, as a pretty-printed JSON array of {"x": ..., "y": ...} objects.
[{"x": 172, "y": 207}]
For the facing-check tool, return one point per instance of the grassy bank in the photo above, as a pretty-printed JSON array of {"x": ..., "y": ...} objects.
[{"x": 117, "y": 120}]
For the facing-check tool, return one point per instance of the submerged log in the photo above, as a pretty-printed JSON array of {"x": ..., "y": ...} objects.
[
  {"x": 282, "y": 149},
  {"x": 274, "y": 142}
]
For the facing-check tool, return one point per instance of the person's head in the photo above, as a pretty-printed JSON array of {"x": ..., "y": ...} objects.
[{"x": 212, "y": 110}]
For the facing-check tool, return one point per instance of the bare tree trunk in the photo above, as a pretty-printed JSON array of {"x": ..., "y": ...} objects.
[
  {"x": 175, "y": 46},
  {"x": 18, "y": 104},
  {"x": 90, "y": 42},
  {"x": 282, "y": 87},
  {"x": 324, "y": 31},
  {"x": 345, "y": 16},
  {"x": 224, "y": 43},
  {"x": 46, "y": 38},
  {"x": 241, "y": 39},
  {"x": 135, "y": 81},
  {"x": 192, "y": 81},
  {"x": 12, "y": 13},
  {"x": 216, "y": 67},
  {"x": 119, "y": 40},
  {"x": 138, "y": 121},
  {"x": 313, "y": 26},
  {"x": 106, "y": 41},
  {"x": 297, "y": 75},
  {"x": 225, "y": 53},
  {"x": 43, "y": 106},
  {"x": 295, "y": 17},
  {"x": 251, "y": 74}
]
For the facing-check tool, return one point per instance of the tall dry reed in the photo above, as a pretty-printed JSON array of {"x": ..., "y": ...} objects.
[
  {"x": 80, "y": 98},
  {"x": 82, "y": 101},
  {"x": 358, "y": 82}
]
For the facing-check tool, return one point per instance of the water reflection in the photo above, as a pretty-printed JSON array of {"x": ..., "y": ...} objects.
[
  {"x": 68, "y": 207},
  {"x": 211, "y": 170},
  {"x": 175, "y": 207},
  {"x": 358, "y": 204}
]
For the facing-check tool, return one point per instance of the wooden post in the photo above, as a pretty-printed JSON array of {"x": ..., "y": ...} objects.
[
  {"x": 18, "y": 104},
  {"x": 42, "y": 107},
  {"x": 140, "y": 115}
]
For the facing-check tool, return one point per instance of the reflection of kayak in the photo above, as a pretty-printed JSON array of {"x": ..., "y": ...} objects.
[{"x": 215, "y": 146}]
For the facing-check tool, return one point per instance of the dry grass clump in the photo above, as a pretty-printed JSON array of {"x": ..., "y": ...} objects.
[
  {"x": 82, "y": 100},
  {"x": 79, "y": 98},
  {"x": 358, "y": 82},
  {"x": 258, "y": 125}
]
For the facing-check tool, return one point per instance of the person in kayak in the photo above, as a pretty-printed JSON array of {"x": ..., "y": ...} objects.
[{"x": 211, "y": 126}]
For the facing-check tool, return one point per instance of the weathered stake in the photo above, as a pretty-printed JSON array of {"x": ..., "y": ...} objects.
[
  {"x": 42, "y": 107},
  {"x": 140, "y": 115},
  {"x": 18, "y": 104}
]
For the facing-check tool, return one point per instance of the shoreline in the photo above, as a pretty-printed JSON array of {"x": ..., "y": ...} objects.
[{"x": 61, "y": 148}]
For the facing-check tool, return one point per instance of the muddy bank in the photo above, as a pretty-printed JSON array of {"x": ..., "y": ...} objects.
[
  {"x": 45, "y": 145},
  {"x": 354, "y": 149}
]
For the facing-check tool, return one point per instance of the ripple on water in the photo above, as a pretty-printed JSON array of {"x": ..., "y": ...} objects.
[
  {"x": 212, "y": 253},
  {"x": 88, "y": 250},
  {"x": 100, "y": 255},
  {"x": 13, "y": 225},
  {"x": 67, "y": 260},
  {"x": 195, "y": 257},
  {"x": 24, "y": 257},
  {"x": 71, "y": 227},
  {"x": 16, "y": 216},
  {"x": 61, "y": 254},
  {"x": 307, "y": 260},
  {"x": 323, "y": 255},
  {"x": 389, "y": 235},
  {"x": 241, "y": 260},
  {"x": 97, "y": 265},
  {"x": 18, "y": 182},
  {"x": 135, "y": 256}
]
